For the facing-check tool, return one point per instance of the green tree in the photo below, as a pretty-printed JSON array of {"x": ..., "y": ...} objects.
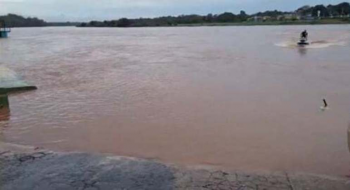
[
  {"x": 320, "y": 8},
  {"x": 227, "y": 17},
  {"x": 123, "y": 22}
]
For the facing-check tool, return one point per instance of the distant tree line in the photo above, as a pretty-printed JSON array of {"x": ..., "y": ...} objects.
[
  {"x": 330, "y": 10},
  {"x": 341, "y": 9},
  {"x": 13, "y": 20},
  {"x": 170, "y": 20},
  {"x": 274, "y": 13},
  {"x": 63, "y": 23}
]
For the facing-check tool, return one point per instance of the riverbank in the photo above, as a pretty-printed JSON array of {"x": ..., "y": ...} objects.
[
  {"x": 274, "y": 23},
  {"x": 133, "y": 23},
  {"x": 34, "y": 168}
]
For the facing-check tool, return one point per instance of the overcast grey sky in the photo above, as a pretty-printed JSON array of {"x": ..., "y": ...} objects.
[{"x": 85, "y": 10}]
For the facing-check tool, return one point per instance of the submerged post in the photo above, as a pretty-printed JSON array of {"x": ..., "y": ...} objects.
[
  {"x": 4, "y": 106},
  {"x": 4, "y": 100},
  {"x": 325, "y": 103}
]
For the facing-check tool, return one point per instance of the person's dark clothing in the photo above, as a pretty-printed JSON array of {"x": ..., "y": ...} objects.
[{"x": 304, "y": 34}]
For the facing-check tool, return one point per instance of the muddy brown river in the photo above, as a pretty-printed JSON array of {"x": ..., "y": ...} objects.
[{"x": 244, "y": 98}]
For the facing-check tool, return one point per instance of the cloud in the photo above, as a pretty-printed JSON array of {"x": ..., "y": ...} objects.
[{"x": 83, "y": 10}]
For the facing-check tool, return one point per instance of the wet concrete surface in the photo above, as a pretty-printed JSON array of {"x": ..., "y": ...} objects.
[
  {"x": 28, "y": 168},
  {"x": 44, "y": 170}
]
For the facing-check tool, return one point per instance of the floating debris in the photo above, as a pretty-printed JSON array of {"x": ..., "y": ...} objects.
[{"x": 325, "y": 105}]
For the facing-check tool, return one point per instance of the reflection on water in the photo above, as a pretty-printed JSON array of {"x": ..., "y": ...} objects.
[
  {"x": 302, "y": 51},
  {"x": 185, "y": 95},
  {"x": 313, "y": 44},
  {"x": 4, "y": 114}
]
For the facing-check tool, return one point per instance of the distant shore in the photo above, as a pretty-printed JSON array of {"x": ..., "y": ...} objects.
[
  {"x": 272, "y": 23},
  {"x": 305, "y": 15},
  {"x": 245, "y": 23}
]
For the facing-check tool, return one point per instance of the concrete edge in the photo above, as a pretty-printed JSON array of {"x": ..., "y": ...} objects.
[{"x": 24, "y": 161}]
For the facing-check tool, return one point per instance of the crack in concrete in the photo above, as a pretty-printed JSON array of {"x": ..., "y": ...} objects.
[
  {"x": 88, "y": 184},
  {"x": 289, "y": 181},
  {"x": 33, "y": 156}
]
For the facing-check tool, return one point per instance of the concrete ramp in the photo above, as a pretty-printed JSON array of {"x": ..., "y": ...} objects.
[{"x": 11, "y": 82}]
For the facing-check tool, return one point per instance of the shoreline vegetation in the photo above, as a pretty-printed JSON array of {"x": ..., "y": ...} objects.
[
  {"x": 272, "y": 23},
  {"x": 319, "y": 14},
  {"x": 17, "y": 21},
  {"x": 306, "y": 15}
]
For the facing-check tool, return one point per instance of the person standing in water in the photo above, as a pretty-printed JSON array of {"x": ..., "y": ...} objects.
[{"x": 304, "y": 35}]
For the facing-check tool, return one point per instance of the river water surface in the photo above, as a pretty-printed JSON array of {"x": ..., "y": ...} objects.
[{"x": 242, "y": 98}]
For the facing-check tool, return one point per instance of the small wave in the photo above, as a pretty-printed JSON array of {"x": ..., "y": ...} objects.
[
  {"x": 313, "y": 44},
  {"x": 286, "y": 44},
  {"x": 10, "y": 79},
  {"x": 320, "y": 42},
  {"x": 55, "y": 142}
]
